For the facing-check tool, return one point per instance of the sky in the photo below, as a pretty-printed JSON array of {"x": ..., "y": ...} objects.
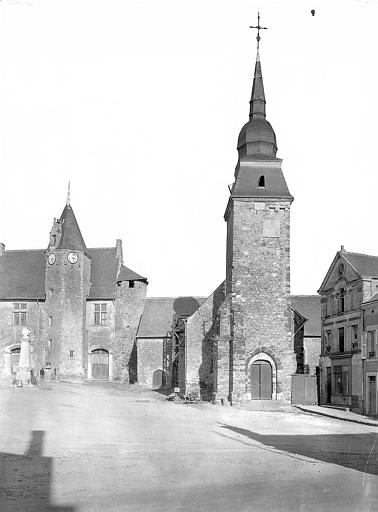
[{"x": 140, "y": 103}]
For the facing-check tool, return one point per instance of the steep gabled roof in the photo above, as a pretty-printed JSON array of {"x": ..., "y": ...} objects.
[
  {"x": 22, "y": 275},
  {"x": 104, "y": 268},
  {"x": 159, "y": 312},
  {"x": 364, "y": 264},
  {"x": 308, "y": 306},
  {"x": 71, "y": 235},
  {"x": 126, "y": 274}
]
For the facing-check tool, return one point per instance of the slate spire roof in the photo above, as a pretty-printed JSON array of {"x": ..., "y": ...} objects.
[
  {"x": 257, "y": 137},
  {"x": 257, "y": 102},
  {"x": 71, "y": 235}
]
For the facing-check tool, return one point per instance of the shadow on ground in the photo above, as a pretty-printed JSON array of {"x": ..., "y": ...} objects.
[
  {"x": 25, "y": 480},
  {"x": 354, "y": 451}
]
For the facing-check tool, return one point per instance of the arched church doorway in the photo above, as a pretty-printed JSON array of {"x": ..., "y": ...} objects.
[
  {"x": 157, "y": 379},
  {"x": 100, "y": 364},
  {"x": 261, "y": 380},
  {"x": 14, "y": 359}
]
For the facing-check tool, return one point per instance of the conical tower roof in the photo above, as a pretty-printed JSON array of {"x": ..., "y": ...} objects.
[{"x": 71, "y": 235}]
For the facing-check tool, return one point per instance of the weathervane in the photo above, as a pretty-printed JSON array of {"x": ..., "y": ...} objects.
[{"x": 259, "y": 27}]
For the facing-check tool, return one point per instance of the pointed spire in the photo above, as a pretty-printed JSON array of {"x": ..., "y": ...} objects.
[
  {"x": 257, "y": 103},
  {"x": 68, "y": 202},
  {"x": 71, "y": 237}
]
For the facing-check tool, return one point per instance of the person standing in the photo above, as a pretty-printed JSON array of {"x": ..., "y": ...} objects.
[{"x": 42, "y": 373}]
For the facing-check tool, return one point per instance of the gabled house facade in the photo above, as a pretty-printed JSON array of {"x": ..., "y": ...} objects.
[{"x": 349, "y": 335}]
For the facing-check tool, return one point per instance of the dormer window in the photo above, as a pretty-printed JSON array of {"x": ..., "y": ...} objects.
[{"x": 262, "y": 182}]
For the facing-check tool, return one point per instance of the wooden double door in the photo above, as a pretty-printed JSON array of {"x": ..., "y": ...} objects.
[
  {"x": 100, "y": 364},
  {"x": 261, "y": 380}
]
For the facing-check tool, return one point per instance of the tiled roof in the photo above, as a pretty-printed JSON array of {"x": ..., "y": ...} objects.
[
  {"x": 365, "y": 265},
  {"x": 309, "y": 307},
  {"x": 158, "y": 314},
  {"x": 22, "y": 274},
  {"x": 126, "y": 274},
  {"x": 247, "y": 176},
  {"x": 71, "y": 234},
  {"x": 104, "y": 268}
]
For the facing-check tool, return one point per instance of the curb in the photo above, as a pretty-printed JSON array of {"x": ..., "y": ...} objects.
[{"x": 319, "y": 413}]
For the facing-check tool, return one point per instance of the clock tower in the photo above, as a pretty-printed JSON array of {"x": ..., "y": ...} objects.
[
  {"x": 261, "y": 360},
  {"x": 67, "y": 283}
]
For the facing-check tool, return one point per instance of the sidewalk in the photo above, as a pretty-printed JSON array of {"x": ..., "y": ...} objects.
[{"x": 338, "y": 414}]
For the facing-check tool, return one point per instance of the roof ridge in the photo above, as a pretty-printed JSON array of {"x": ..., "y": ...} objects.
[
  {"x": 359, "y": 254},
  {"x": 95, "y": 248},
  {"x": 24, "y": 250}
]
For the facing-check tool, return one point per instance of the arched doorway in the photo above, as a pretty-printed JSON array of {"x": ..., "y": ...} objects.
[
  {"x": 261, "y": 380},
  {"x": 100, "y": 364},
  {"x": 157, "y": 379},
  {"x": 14, "y": 359}
]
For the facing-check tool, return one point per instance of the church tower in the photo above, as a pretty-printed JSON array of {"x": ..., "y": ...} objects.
[
  {"x": 258, "y": 262},
  {"x": 68, "y": 268}
]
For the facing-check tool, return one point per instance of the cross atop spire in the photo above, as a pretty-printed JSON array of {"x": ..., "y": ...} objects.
[
  {"x": 68, "y": 202},
  {"x": 258, "y": 27}
]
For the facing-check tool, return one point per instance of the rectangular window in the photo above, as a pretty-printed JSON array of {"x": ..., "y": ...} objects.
[
  {"x": 131, "y": 284},
  {"x": 354, "y": 337},
  {"x": 50, "y": 321},
  {"x": 328, "y": 342},
  {"x": 342, "y": 301},
  {"x": 19, "y": 313},
  {"x": 341, "y": 339},
  {"x": 100, "y": 314},
  {"x": 72, "y": 354},
  {"x": 371, "y": 344}
]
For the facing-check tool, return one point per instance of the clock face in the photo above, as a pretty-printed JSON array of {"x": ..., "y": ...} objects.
[
  {"x": 51, "y": 258},
  {"x": 72, "y": 257}
]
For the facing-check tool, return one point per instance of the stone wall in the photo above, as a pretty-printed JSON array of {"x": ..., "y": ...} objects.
[
  {"x": 260, "y": 298},
  {"x": 10, "y": 334},
  {"x": 202, "y": 329},
  {"x": 67, "y": 286},
  {"x": 150, "y": 359},
  {"x": 312, "y": 347},
  {"x": 129, "y": 304}
]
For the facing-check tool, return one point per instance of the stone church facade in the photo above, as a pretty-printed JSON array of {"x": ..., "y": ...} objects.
[{"x": 239, "y": 345}]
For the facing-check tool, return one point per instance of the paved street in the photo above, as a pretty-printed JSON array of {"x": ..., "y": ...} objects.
[{"x": 81, "y": 448}]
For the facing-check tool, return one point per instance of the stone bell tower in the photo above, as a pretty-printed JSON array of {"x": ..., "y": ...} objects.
[
  {"x": 68, "y": 268},
  {"x": 258, "y": 263}
]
